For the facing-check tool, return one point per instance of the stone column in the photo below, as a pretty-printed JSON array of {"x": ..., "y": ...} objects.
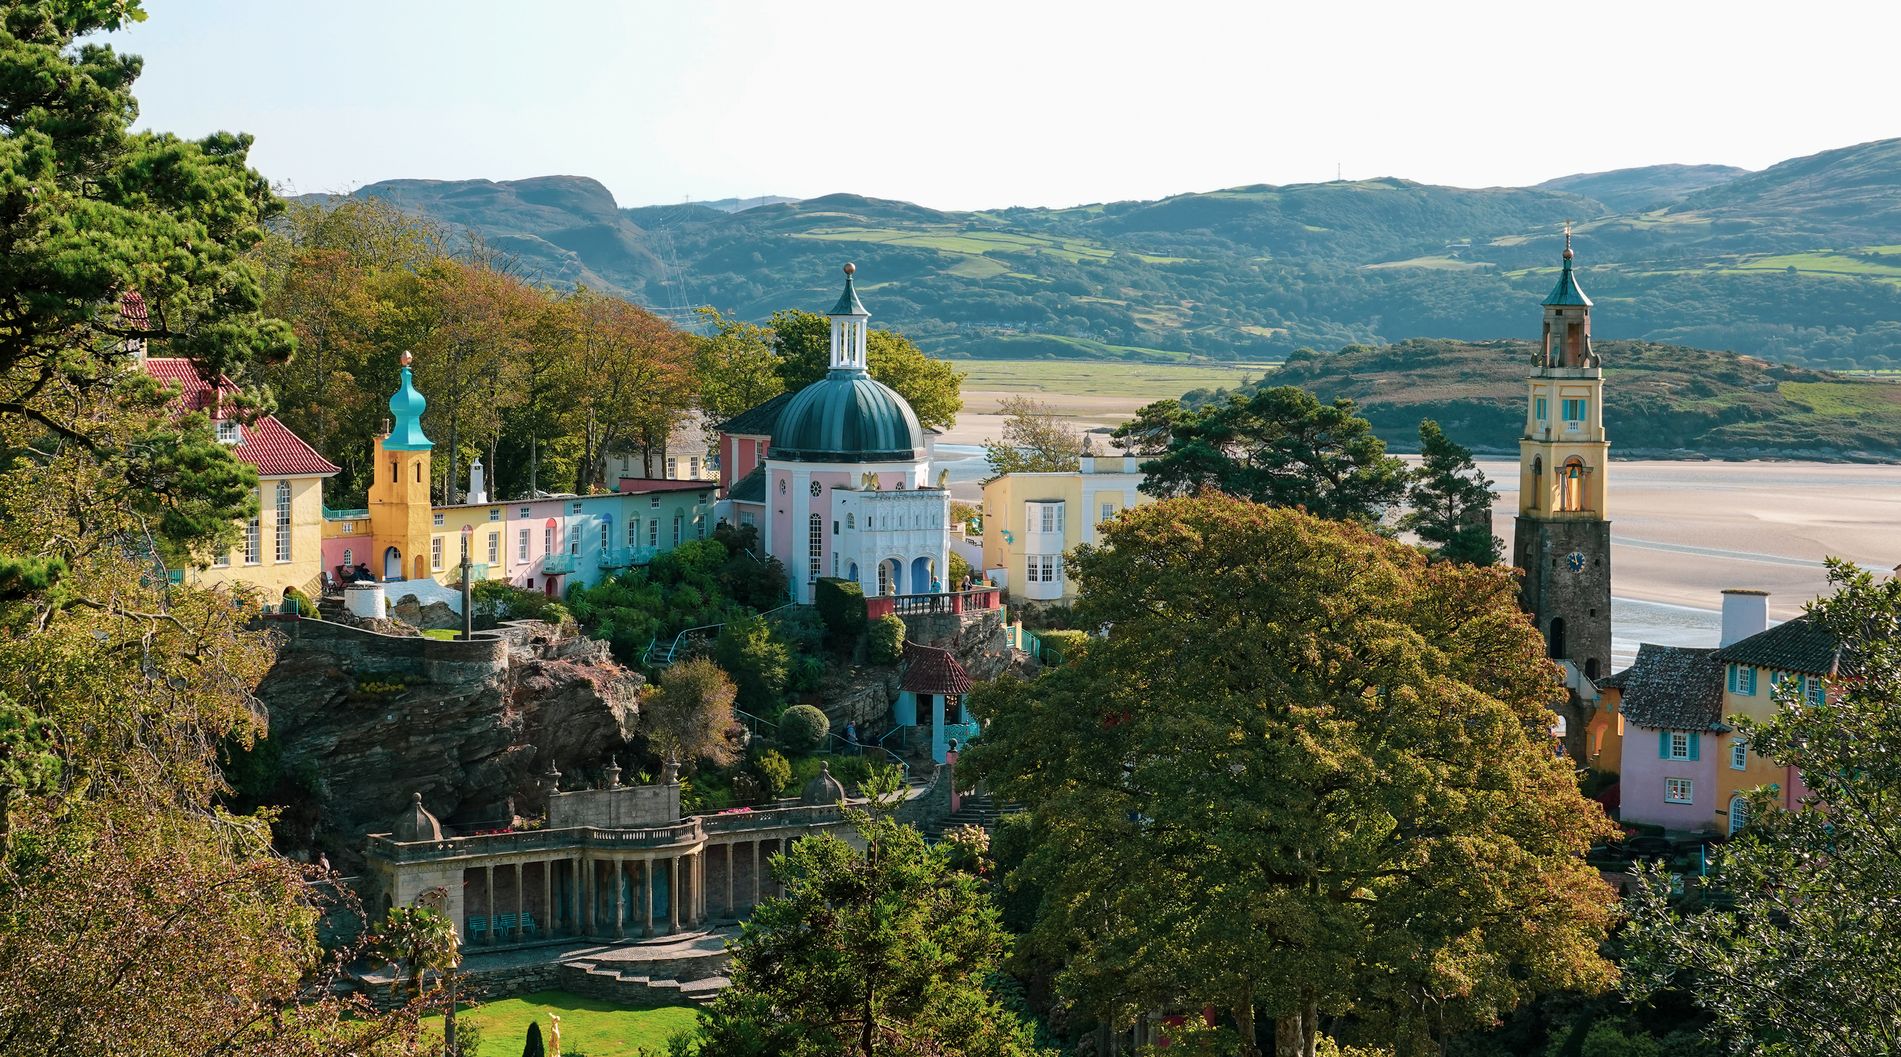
[
  {"x": 647, "y": 868},
  {"x": 547, "y": 897},
  {"x": 521, "y": 904},
  {"x": 584, "y": 895},
  {"x": 755, "y": 873},
  {"x": 619, "y": 918},
  {"x": 673, "y": 893},
  {"x": 488, "y": 901},
  {"x": 729, "y": 882}
]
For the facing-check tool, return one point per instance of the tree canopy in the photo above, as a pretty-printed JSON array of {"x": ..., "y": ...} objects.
[
  {"x": 1316, "y": 784},
  {"x": 1035, "y": 440},
  {"x": 1451, "y": 502},
  {"x": 1280, "y": 446},
  {"x": 932, "y": 387}
]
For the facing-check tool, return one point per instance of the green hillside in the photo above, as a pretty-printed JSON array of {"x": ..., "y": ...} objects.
[
  {"x": 1800, "y": 262},
  {"x": 1668, "y": 399}
]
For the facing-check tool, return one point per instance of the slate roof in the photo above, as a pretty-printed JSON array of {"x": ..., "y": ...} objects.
[
  {"x": 1568, "y": 293},
  {"x": 1672, "y": 688},
  {"x": 929, "y": 670},
  {"x": 751, "y": 488},
  {"x": 1797, "y": 646},
  {"x": 266, "y": 444},
  {"x": 756, "y": 421},
  {"x": 848, "y": 303}
]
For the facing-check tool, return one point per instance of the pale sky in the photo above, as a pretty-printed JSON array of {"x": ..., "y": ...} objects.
[{"x": 967, "y": 104}]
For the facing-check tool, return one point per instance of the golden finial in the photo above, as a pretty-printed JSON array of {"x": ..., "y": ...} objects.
[{"x": 406, "y": 357}]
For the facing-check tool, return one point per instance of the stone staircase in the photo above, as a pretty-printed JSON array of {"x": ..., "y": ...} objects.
[
  {"x": 974, "y": 809},
  {"x": 627, "y": 982}
]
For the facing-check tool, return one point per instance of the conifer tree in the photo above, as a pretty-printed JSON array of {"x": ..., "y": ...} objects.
[{"x": 1451, "y": 501}]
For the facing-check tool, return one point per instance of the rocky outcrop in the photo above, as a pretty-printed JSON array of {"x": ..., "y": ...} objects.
[
  {"x": 471, "y": 726},
  {"x": 435, "y": 614},
  {"x": 863, "y": 693}
]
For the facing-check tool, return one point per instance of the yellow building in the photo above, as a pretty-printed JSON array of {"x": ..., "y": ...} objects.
[
  {"x": 282, "y": 547},
  {"x": 486, "y": 528},
  {"x": 402, "y": 522},
  {"x": 1756, "y": 667},
  {"x": 1031, "y": 520},
  {"x": 1604, "y": 735}
]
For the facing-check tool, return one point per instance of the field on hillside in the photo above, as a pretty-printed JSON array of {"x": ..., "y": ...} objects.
[
  {"x": 1052, "y": 380},
  {"x": 588, "y": 1025}
]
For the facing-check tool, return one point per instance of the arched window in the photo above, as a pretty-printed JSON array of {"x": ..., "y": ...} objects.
[
  {"x": 1738, "y": 814},
  {"x": 347, "y": 562},
  {"x": 816, "y": 547},
  {"x": 1555, "y": 639},
  {"x": 1572, "y": 483},
  {"x": 1590, "y": 668}
]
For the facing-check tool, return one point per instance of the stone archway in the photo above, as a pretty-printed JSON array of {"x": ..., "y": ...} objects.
[
  {"x": 392, "y": 564},
  {"x": 923, "y": 570}
]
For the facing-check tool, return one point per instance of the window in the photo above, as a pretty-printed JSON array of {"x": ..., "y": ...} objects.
[
  {"x": 574, "y": 539},
  {"x": 699, "y": 527},
  {"x": 747, "y": 519},
  {"x": 250, "y": 542},
  {"x": 851, "y": 520},
  {"x": 576, "y": 509},
  {"x": 1108, "y": 511},
  {"x": 462, "y": 546},
  {"x": 1574, "y": 412},
  {"x": 1738, "y": 754},
  {"x": 229, "y": 432},
  {"x": 349, "y": 528},
  {"x": 815, "y": 545},
  {"x": 673, "y": 469},
  {"x": 1044, "y": 568},
  {"x": 419, "y": 473},
  {"x": 1813, "y": 689},
  {"x": 1572, "y": 495},
  {"x": 1542, "y": 410},
  {"x": 1679, "y": 745},
  {"x": 1742, "y": 680},
  {"x": 494, "y": 513},
  {"x": 1679, "y": 791},
  {"x": 283, "y": 521},
  {"x": 223, "y": 560},
  {"x": 547, "y": 539},
  {"x": 693, "y": 466},
  {"x": 676, "y": 530},
  {"x": 1049, "y": 517},
  {"x": 1738, "y": 814},
  {"x": 435, "y": 553},
  {"x": 392, "y": 473},
  {"x": 494, "y": 548},
  {"x": 436, "y": 520},
  {"x": 653, "y": 533},
  {"x": 348, "y": 562},
  {"x": 524, "y": 511},
  {"x": 521, "y": 546},
  {"x": 654, "y": 502},
  {"x": 633, "y": 532},
  {"x": 607, "y": 535}
]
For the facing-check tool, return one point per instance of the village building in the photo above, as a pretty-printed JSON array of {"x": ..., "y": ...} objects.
[{"x": 1031, "y": 520}]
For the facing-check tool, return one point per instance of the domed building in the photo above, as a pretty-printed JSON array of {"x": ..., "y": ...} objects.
[{"x": 836, "y": 476}]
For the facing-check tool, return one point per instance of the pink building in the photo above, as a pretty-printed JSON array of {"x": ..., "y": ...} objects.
[{"x": 1673, "y": 711}]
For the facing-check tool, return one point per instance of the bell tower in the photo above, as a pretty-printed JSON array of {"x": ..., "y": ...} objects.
[
  {"x": 1562, "y": 541},
  {"x": 401, "y": 517}
]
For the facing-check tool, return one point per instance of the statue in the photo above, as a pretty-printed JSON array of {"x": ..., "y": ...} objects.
[
  {"x": 554, "y": 1035},
  {"x": 943, "y": 480}
]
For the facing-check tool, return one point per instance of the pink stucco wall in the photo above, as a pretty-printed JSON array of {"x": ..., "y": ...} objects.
[
  {"x": 358, "y": 545},
  {"x": 1643, "y": 776}
]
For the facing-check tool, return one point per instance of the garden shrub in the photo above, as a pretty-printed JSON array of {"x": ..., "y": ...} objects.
[
  {"x": 885, "y": 644},
  {"x": 803, "y": 728},
  {"x": 1067, "y": 646},
  {"x": 774, "y": 772},
  {"x": 841, "y": 604}
]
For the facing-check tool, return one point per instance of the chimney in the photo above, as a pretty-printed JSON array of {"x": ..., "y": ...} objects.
[
  {"x": 477, "y": 494},
  {"x": 1745, "y": 613}
]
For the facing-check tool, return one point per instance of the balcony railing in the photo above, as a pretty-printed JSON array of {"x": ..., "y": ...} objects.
[
  {"x": 946, "y": 602},
  {"x": 624, "y": 557},
  {"x": 556, "y": 564},
  {"x": 687, "y": 831}
]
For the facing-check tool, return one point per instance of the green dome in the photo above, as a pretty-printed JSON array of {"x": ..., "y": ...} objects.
[
  {"x": 847, "y": 416},
  {"x": 405, "y": 413}
]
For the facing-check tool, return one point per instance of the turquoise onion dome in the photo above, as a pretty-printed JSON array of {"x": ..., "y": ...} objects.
[
  {"x": 847, "y": 416},
  {"x": 405, "y": 416}
]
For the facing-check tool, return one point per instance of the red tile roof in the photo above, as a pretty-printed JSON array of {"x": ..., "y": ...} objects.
[
  {"x": 266, "y": 444},
  {"x": 929, "y": 670},
  {"x": 132, "y": 310}
]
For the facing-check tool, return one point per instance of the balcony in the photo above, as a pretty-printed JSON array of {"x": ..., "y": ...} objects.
[
  {"x": 948, "y": 602},
  {"x": 686, "y": 832},
  {"x": 625, "y": 557},
  {"x": 557, "y": 564}
]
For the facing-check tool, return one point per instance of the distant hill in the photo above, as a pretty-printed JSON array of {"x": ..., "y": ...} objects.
[
  {"x": 734, "y": 205},
  {"x": 1670, "y": 400},
  {"x": 1646, "y": 188},
  {"x": 1800, "y": 262}
]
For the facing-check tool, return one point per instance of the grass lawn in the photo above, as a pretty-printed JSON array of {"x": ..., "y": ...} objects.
[
  {"x": 1150, "y": 381},
  {"x": 590, "y": 1027},
  {"x": 440, "y": 633}
]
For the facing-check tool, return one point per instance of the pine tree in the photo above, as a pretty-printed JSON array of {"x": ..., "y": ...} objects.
[{"x": 1451, "y": 501}]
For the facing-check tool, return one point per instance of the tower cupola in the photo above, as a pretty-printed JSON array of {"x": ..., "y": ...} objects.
[
  {"x": 849, "y": 324},
  {"x": 1567, "y": 340},
  {"x": 405, "y": 414}
]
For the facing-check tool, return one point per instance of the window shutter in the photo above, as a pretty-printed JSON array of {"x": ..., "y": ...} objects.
[
  {"x": 1663, "y": 745},
  {"x": 1694, "y": 738}
]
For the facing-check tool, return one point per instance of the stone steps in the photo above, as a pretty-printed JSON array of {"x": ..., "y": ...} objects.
[
  {"x": 665, "y": 990},
  {"x": 978, "y": 810}
]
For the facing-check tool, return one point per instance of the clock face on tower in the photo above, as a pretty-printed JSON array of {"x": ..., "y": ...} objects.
[{"x": 1575, "y": 560}]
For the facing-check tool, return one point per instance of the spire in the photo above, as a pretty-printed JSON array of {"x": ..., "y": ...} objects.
[
  {"x": 848, "y": 328},
  {"x": 405, "y": 412},
  {"x": 1567, "y": 293}
]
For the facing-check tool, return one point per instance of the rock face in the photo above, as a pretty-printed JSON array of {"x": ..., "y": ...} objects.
[
  {"x": 863, "y": 694},
  {"x": 435, "y": 614},
  {"x": 471, "y": 726}
]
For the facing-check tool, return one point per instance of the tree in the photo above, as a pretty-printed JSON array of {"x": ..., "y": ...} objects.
[
  {"x": 803, "y": 341},
  {"x": 737, "y": 366},
  {"x": 688, "y": 717},
  {"x": 1804, "y": 961},
  {"x": 1035, "y": 440},
  {"x": 136, "y": 915},
  {"x": 420, "y": 939},
  {"x": 873, "y": 953},
  {"x": 633, "y": 374},
  {"x": 1451, "y": 501},
  {"x": 479, "y": 320},
  {"x": 1319, "y": 783},
  {"x": 758, "y": 663},
  {"x": 1148, "y": 433},
  {"x": 1281, "y": 446}
]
